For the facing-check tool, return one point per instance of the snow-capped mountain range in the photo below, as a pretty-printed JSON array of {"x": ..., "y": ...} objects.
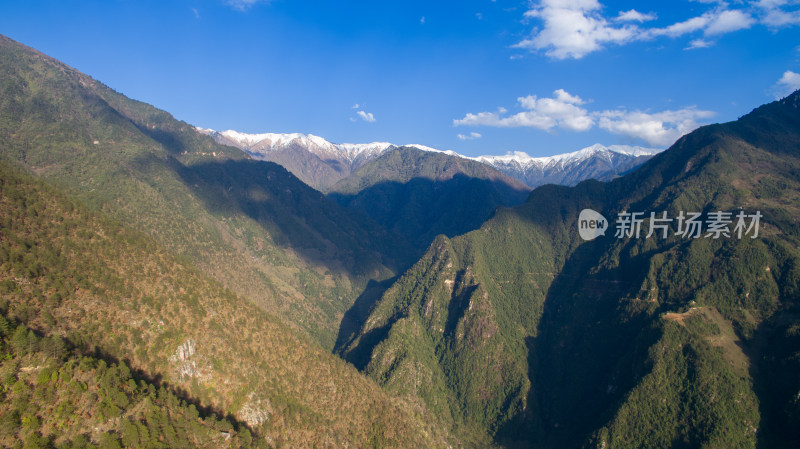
[
  {"x": 263, "y": 144},
  {"x": 321, "y": 163},
  {"x": 594, "y": 162},
  {"x": 597, "y": 150},
  {"x": 316, "y": 161},
  {"x": 257, "y": 144}
]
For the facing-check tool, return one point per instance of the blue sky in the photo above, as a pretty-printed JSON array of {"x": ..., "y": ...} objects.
[{"x": 474, "y": 76}]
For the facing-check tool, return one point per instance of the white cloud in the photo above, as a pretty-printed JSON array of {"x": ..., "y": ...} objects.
[
  {"x": 729, "y": 21},
  {"x": 575, "y": 28},
  {"x": 356, "y": 106},
  {"x": 698, "y": 43},
  {"x": 789, "y": 82},
  {"x": 658, "y": 129},
  {"x": 680, "y": 28},
  {"x": 244, "y": 5},
  {"x": 196, "y": 13},
  {"x": 366, "y": 116},
  {"x": 480, "y": 119},
  {"x": 562, "y": 111},
  {"x": 711, "y": 23},
  {"x": 566, "y": 111},
  {"x": 422, "y": 20},
  {"x": 470, "y": 136},
  {"x": 774, "y": 15},
  {"x": 634, "y": 16}
]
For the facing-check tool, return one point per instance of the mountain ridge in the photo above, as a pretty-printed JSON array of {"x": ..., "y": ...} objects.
[
  {"x": 223, "y": 281},
  {"x": 250, "y": 224},
  {"x": 342, "y": 160},
  {"x": 419, "y": 194}
]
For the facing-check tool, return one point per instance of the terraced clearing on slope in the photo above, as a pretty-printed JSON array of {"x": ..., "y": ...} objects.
[{"x": 717, "y": 331}]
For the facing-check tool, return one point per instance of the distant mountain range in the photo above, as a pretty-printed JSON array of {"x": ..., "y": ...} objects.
[
  {"x": 316, "y": 161},
  {"x": 321, "y": 164},
  {"x": 595, "y": 162},
  {"x": 415, "y": 191}
]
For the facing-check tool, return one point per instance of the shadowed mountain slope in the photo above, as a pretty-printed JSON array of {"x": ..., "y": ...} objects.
[
  {"x": 421, "y": 194},
  {"x": 250, "y": 224}
]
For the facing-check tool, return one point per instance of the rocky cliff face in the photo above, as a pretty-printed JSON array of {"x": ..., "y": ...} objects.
[{"x": 185, "y": 362}]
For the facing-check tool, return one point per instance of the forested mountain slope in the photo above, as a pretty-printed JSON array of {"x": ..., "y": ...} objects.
[
  {"x": 523, "y": 329},
  {"x": 104, "y": 329},
  {"x": 250, "y": 224}
]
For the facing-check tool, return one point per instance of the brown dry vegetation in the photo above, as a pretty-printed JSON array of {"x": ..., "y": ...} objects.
[{"x": 108, "y": 290}]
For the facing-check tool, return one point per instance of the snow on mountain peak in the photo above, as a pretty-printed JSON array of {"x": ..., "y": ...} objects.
[
  {"x": 434, "y": 150},
  {"x": 634, "y": 151},
  {"x": 354, "y": 150},
  {"x": 257, "y": 144},
  {"x": 356, "y": 154},
  {"x": 525, "y": 160},
  {"x": 260, "y": 144},
  {"x": 245, "y": 139}
]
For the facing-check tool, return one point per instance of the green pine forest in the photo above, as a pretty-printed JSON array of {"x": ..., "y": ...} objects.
[{"x": 158, "y": 289}]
